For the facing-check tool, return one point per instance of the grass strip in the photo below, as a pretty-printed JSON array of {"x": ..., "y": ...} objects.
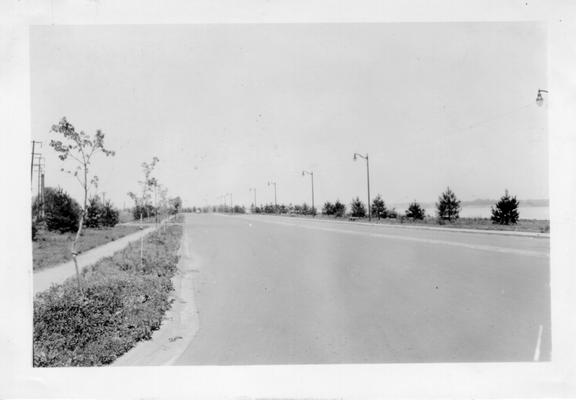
[
  {"x": 523, "y": 225},
  {"x": 124, "y": 301},
  {"x": 53, "y": 248}
]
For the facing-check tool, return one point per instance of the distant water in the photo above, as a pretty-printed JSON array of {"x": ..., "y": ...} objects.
[{"x": 531, "y": 212}]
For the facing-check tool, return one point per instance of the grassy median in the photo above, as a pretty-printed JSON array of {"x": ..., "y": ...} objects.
[
  {"x": 123, "y": 302},
  {"x": 523, "y": 225}
]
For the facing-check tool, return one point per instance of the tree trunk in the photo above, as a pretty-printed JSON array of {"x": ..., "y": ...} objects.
[
  {"x": 80, "y": 225},
  {"x": 75, "y": 250}
]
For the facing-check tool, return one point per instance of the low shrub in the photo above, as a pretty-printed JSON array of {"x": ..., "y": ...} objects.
[{"x": 123, "y": 302}]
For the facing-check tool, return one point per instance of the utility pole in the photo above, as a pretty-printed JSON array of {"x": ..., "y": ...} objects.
[
  {"x": 368, "y": 180},
  {"x": 34, "y": 142},
  {"x": 40, "y": 183},
  {"x": 312, "y": 178},
  {"x": 42, "y": 203},
  {"x": 275, "y": 201}
]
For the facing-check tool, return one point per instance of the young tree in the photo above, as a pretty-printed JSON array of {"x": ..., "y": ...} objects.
[
  {"x": 505, "y": 211},
  {"x": 415, "y": 211},
  {"x": 379, "y": 208},
  {"x": 175, "y": 205},
  {"x": 80, "y": 148},
  {"x": 448, "y": 206},
  {"x": 143, "y": 202},
  {"x": 358, "y": 209}
]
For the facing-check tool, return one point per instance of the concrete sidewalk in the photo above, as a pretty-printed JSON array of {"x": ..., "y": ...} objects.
[{"x": 45, "y": 278}]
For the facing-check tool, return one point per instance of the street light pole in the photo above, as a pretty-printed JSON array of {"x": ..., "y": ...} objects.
[
  {"x": 275, "y": 201},
  {"x": 368, "y": 180},
  {"x": 231, "y": 203},
  {"x": 254, "y": 190},
  {"x": 311, "y": 173}
]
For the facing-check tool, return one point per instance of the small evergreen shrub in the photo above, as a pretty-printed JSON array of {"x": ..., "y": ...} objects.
[
  {"x": 339, "y": 209},
  {"x": 448, "y": 206},
  {"x": 379, "y": 208},
  {"x": 505, "y": 211},
  {"x": 415, "y": 211},
  {"x": 358, "y": 209},
  {"x": 62, "y": 212}
]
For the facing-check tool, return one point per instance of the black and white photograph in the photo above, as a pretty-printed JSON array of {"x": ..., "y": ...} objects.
[{"x": 300, "y": 194}]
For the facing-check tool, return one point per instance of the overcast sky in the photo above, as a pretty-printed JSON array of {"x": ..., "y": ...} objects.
[{"x": 230, "y": 107}]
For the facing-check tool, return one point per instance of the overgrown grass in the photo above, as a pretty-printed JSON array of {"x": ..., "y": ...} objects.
[
  {"x": 123, "y": 302},
  {"x": 53, "y": 248}
]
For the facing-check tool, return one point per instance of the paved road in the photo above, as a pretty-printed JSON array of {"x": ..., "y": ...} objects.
[{"x": 272, "y": 290}]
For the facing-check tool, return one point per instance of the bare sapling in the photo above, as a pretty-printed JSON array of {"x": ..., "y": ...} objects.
[{"x": 80, "y": 148}]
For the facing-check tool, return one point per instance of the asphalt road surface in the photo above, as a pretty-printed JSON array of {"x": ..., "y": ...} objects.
[{"x": 273, "y": 290}]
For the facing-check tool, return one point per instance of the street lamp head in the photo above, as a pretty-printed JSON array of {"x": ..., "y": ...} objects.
[
  {"x": 354, "y": 157},
  {"x": 539, "y": 98}
]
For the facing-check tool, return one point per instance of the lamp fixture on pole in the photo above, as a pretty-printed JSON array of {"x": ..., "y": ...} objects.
[
  {"x": 304, "y": 173},
  {"x": 539, "y": 98},
  {"x": 356, "y": 155}
]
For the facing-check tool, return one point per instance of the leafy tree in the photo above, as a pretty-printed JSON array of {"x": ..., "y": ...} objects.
[
  {"x": 448, "y": 206},
  {"x": 379, "y": 208},
  {"x": 143, "y": 203},
  {"x": 80, "y": 148},
  {"x": 339, "y": 209},
  {"x": 415, "y": 211},
  {"x": 175, "y": 205},
  {"x": 358, "y": 208},
  {"x": 61, "y": 211},
  {"x": 505, "y": 211}
]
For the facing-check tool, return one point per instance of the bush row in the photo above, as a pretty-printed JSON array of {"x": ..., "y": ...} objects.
[
  {"x": 57, "y": 211},
  {"x": 123, "y": 302}
]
